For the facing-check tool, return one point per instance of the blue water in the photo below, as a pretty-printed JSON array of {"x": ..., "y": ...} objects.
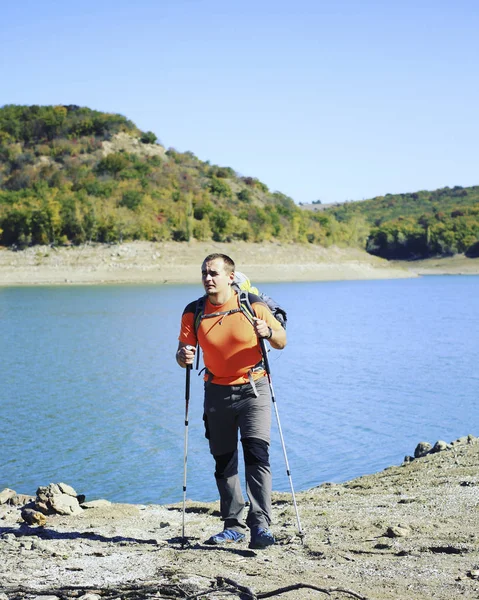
[{"x": 90, "y": 393}]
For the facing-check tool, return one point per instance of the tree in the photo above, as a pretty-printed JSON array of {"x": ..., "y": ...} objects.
[
  {"x": 112, "y": 164},
  {"x": 148, "y": 138}
]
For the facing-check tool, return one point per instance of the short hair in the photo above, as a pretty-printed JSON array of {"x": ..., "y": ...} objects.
[{"x": 230, "y": 266}]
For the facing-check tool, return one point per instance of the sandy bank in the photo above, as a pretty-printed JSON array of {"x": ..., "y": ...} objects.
[
  {"x": 169, "y": 262},
  {"x": 450, "y": 265}
]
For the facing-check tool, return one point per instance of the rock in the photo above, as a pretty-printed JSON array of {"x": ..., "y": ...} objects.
[
  {"x": 6, "y": 495},
  {"x": 33, "y": 517},
  {"x": 473, "y": 574},
  {"x": 90, "y": 597},
  {"x": 58, "y": 498},
  {"x": 67, "y": 489},
  {"x": 398, "y": 531},
  {"x": 63, "y": 504},
  {"x": 408, "y": 459},
  {"x": 96, "y": 504},
  {"x": 21, "y": 500},
  {"x": 439, "y": 446},
  {"x": 422, "y": 449}
]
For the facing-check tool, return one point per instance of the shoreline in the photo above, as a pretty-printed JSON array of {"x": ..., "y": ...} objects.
[
  {"x": 408, "y": 531},
  {"x": 179, "y": 263}
]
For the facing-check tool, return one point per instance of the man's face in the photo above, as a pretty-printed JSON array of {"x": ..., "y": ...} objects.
[{"x": 215, "y": 279}]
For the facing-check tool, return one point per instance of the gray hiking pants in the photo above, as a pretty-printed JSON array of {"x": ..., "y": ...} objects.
[{"x": 227, "y": 410}]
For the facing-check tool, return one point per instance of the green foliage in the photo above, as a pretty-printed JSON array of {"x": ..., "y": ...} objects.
[
  {"x": 219, "y": 188},
  {"x": 148, "y": 138},
  {"x": 222, "y": 172},
  {"x": 255, "y": 183},
  {"x": 421, "y": 238},
  {"x": 112, "y": 164},
  {"x": 245, "y": 196},
  {"x": 58, "y": 185},
  {"x": 131, "y": 199},
  {"x": 417, "y": 225},
  {"x": 34, "y": 123}
]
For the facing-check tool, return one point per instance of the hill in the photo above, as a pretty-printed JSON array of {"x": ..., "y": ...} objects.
[
  {"x": 70, "y": 175},
  {"x": 443, "y": 222}
]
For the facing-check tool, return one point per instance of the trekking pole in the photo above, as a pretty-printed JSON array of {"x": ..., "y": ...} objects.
[
  {"x": 273, "y": 398},
  {"x": 185, "y": 454}
]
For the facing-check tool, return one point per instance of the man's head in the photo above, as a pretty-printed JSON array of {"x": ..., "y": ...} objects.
[{"x": 217, "y": 273}]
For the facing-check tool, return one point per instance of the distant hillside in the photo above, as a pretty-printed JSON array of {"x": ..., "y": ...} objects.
[
  {"x": 393, "y": 206},
  {"x": 69, "y": 174},
  {"x": 417, "y": 225}
]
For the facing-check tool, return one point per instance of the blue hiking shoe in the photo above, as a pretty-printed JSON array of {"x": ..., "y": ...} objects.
[
  {"x": 225, "y": 537},
  {"x": 261, "y": 538}
]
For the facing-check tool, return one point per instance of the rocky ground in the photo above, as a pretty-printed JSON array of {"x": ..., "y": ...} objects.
[{"x": 408, "y": 532}]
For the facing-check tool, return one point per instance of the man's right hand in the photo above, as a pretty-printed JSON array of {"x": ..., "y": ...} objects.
[{"x": 185, "y": 355}]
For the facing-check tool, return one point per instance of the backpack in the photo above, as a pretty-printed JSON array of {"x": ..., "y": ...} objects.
[{"x": 242, "y": 283}]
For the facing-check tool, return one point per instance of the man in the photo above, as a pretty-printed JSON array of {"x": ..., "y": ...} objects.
[{"x": 237, "y": 396}]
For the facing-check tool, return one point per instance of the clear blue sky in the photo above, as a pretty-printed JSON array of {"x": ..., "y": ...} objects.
[{"x": 333, "y": 100}]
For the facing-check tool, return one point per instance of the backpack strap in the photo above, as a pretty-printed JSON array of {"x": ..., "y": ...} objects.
[{"x": 245, "y": 303}]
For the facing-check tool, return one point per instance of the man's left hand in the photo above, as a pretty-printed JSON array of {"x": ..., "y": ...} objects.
[{"x": 262, "y": 329}]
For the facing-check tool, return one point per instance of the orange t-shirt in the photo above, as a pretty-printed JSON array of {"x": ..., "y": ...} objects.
[{"x": 229, "y": 342}]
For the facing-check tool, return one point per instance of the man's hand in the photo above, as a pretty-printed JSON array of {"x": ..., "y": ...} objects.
[
  {"x": 276, "y": 337},
  {"x": 262, "y": 329},
  {"x": 185, "y": 355}
]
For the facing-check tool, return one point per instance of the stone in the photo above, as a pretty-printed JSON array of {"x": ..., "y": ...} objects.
[
  {"x": 33, "y": 517},
  {"x": 21, "y": 500},
  {"x": 6, "y": 495},
  {"x": 64, "y": 504},
  {"x": 67, "y": 489},
  {"x": 422, "y": 449},
  {"x": 58, "y": 498},
  {"x": 96, "y": 504},
  {"x": 398, "y": 531},
  {"x": 439, "y": 446}
]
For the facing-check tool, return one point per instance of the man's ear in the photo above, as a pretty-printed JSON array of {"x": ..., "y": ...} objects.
[{"x": 231, "y": 277}]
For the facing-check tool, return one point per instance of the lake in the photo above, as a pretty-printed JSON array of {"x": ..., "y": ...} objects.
[{"x": 91, "y": 395}]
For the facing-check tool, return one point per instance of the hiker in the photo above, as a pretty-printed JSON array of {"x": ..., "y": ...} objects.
[{"x": 237, "y": 395}]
